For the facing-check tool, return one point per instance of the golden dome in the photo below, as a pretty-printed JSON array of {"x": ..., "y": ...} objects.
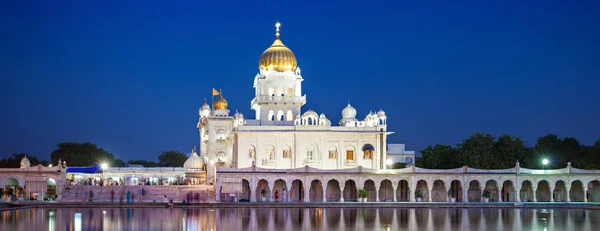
[
  {"x": 220, "y": 103},
  {"x": 278, "y": 57}
]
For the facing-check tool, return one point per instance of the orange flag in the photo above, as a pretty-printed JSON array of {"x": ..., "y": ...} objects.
[{"x": 215, "y": 92}]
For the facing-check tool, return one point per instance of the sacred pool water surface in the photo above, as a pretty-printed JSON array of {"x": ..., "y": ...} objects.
[{"x": 298, "y": 219}]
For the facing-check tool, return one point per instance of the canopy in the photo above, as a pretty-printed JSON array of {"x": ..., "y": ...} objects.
[{"x": 91, "y": 169}]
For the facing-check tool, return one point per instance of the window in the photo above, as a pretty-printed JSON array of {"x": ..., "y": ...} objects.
[
  {"x": 251, "y": 153},
  {"x": 268, "y": 154},
  {"x": 368, "y": 154},
  {"x": 309, "y": 155},
  {"x": 287, "y": 153},
  {"x": 220, "y": 157},
  {"x": 349, "y": 155},
  {"x": 332, "y": 154}
]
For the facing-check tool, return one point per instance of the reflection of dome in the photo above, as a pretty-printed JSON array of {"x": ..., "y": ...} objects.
[
  {"x": 349, "y": 112},
  {"x": 277, "y": 57},
  {"x": 194, "y": 161},
  {"x": 220, "y": 103}
]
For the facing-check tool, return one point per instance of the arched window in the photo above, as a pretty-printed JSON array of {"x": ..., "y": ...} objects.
[
  {"x": 221, "y": 134},
  {"x": 350, "y": 153},
  {"x": 287, "y": 152},
  {"x": 368, "y": 151},
  {"x": 279, "y": 91},
  {"x": 332, "y": 152},
  {"x": 309, "y": 121},
  {"x": 271, "y": 115},
  {"x": 408, "y": 160},
  {"x": 269, "y": 153},
  {"x": 289, "y": 116},
  {"x": 221, "y": 156},
  {"x": 271, "y": 91},
  {"x": 251, "y": 151},
  {"x": 280, "y": 115},
  {"x": 290, "y": 92}
]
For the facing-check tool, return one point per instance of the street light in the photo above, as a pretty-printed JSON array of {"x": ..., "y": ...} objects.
[
  {"x": 389, "y": 162},
  {"x": 544, "y": 163},
  {"x": 104, "y": 166}
]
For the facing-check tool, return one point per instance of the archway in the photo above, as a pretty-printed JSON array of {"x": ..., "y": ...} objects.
[
  {"x": 543, "y": 191},
  {"x": 508, "y": 191},
  {"x": 297, "y": 191},
  {"x": 386, "y": 191},
  {"x": 438, "y": 191},
  {"x": 422, "y": 191},
  {"x": 474, "y": 191},
  {"x": 370, "y": 187},
  {"x": 316, "y": 191},
  {"x": 51, "y": 188},
  {"x": 10, "y": 188},
  {"x": 526, "y": 191},
  {"x": 333, "y": 191},
  {"x": 350, "y": 191},
  {"x": 402, "y": 191},
  {"x": 576, "y": 194},
  {"x": 245, "y": 196},
  {"x": 492, "y": 187},
  {"x": 263, "y": 191},
  {"x": 560, "y": 192},
  {"x": 278, "y": 188},
  {"x": 456, "y": 190},
  {"x": 594, "y": 191}
]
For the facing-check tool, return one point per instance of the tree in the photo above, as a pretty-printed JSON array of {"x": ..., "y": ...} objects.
[
  {"x": 507, "y": 150},
  {"x": 83, "y": 154},
  {"x": 172, "y": 158},
  {"x": 144, "y": 163},
  {"x": 477, "y": 151},
  {"x": 14, "y": 161},
  {"x": 557, "y": 151},
  {"x": 438, "y": 157},
  {"x": 398, "y": 165}
]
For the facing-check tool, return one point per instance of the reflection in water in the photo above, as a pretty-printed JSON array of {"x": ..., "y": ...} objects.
[{"x": 297, "y": 219}]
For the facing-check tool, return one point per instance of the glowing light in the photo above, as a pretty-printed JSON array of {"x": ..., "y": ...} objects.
[
  {"x": 50, "y": 166},
  {"x": 104, "y": 166},
  {"x": 389, "y": 161},
  {"x": 104, "y": 212},
  {"x": 545, "y": 162}
]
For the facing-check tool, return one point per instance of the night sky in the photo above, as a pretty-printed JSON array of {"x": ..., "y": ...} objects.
[{"x": 131, "y": 75}]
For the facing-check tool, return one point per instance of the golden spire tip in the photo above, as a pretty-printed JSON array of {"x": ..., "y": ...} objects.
[{"x": 277, "y": 25}]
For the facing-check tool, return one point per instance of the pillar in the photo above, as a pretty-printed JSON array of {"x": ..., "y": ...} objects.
[
  {"x": 307, "y": 193},
  {"x": 288, "y": 196},
  {"x": 429, "y": 193},
  {"x": 411, "y": 194},
  {"x": 568, "y": 193},
  {"x": 534, "y": 193},
  {"x": 342, "y": 194},
  {"x": 394, "y": 188},
  {"x": 325, "y": 192},
  {"x": 585, "y": 193},
  {"x": 518, "y": 194},
  {"x": 465, "y": 191},
  {"x": 376, "y": 193},
  {"x": 253, "y": 188},
  {"x": 551, "y": 193},
  {"x": 500, "y": 194}
]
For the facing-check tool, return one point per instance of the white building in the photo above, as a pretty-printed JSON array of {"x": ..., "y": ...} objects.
[
  {"x": 282, "y": 136},
  {"x": 397, "y": 153}
]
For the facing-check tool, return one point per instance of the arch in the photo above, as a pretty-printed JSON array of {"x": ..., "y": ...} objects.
[
  {"x": 315, "y": 192},
  {"x": 280, "y": 91},
  {"x": 290, "y": 91},
  {"x": 263, "y": 189},
  {"x": 310, "y": 121},
  {"x": 245, "y": 196},
  {"x": 492, "y": 187},
  {"x": 280, "y": 116},
  {"x": 508, "y": 193},
  {"x": 402, "y": 192},
  {"x": 333, "y": 191},
  {"x": 576, "y": 193},
  {"x": 221, "y": 157},
  {"x": 474, "y": 191},
  {"x": 543, "y": 191},
  {"x": 422, "y": 190},
  {"x": 269, "y": 152},
  {"x": 386, "y": 191},
  {"x": 408, "y": 160},
  {"x": 350, "y": 153},
  {"x": 289, "y": 116},
  {"x": 271, "y": 115},
  {"x": 251, "y": 151},
  {"x": 526, "y": 191},
  {"x": 438, "y": 191},
  {"x": 271, "y": 91},
  {"x": 296, "y": 193},
  {"x": 350, "y": 191},
  {"x": 559, "y": 194},
  {"x": 368, "y": 150},
  {"x": 332, "y": 152},
  {"x": 593, "y": 192},
  {"x": 51, "y": 188},
  {"x": 455, "y": 191},
  {"x": 278, "y": 187},
  {"x": 370, "y": 187}
]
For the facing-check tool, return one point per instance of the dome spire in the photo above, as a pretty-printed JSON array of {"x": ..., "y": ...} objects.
[{"x": 277, "y": 25}]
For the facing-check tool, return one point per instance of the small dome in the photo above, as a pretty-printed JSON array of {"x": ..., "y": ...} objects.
[
  {"x": 380, "y": 113},
  {"x": 194, "y": 162},
  {"x": 349, "y": 112},
  {"x": 310, "y": 112},
  {"x": 277, "y": 57},
  {"x": 322, "y": 116},
  {"x": 220, "y": 103},
  {"x": 205, "y": 106}
]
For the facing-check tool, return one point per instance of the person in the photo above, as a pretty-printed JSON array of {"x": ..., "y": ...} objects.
[
  {"x": 91, "y": 196},
  {"x": 165, "y": 199},
  {"x": 276, "y": 195},
  {"x": 171, "y": 203},
  {"x": 112, "y": 195}
]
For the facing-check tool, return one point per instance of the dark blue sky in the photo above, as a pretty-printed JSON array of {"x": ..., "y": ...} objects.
[{"x": 130, "y": 77}]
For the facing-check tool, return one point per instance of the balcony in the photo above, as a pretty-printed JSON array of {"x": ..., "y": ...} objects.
[
  {"x": 351, "y": 163},
  {"x": 279, "y": 99}
]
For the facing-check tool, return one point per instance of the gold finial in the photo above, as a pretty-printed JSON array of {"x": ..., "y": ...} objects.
[{"x": 277, "y": 25}]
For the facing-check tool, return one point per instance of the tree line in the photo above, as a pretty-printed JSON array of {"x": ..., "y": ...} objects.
[
  {"x": 484, "y": 151},
  {"x": 88, "y": 154}
]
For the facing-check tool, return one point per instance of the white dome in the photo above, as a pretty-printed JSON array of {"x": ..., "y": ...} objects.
[
  {"x": 381, "y": 113},
  {"x": 310, "y": 113},
  {"x": 194, "y": 162},
  {"x": 322, "y": 116},
  {"x": 349, "y": 112}
]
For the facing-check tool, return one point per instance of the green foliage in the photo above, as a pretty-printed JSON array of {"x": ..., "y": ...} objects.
[
  {"x": 486, "y": 194},
  {"x": 438, "y": 157},
  {"x": 363, "y": 193},
  {"x": 452, "y": 192},
  {"x": 14, "y": 161},
  {"x": 398, "y": 165},
  {"x": 144, "y": 163},
  {"x": 82, "y": 154},
  {"x": 263, "y": 192},
  {"x": 418, "y": 194},
  {"x": 172, "y": 159}
]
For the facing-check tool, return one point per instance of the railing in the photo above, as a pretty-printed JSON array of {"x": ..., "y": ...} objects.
[
  {"x": 351, "y": 162},
  {"x": 267, "y": 98}
]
